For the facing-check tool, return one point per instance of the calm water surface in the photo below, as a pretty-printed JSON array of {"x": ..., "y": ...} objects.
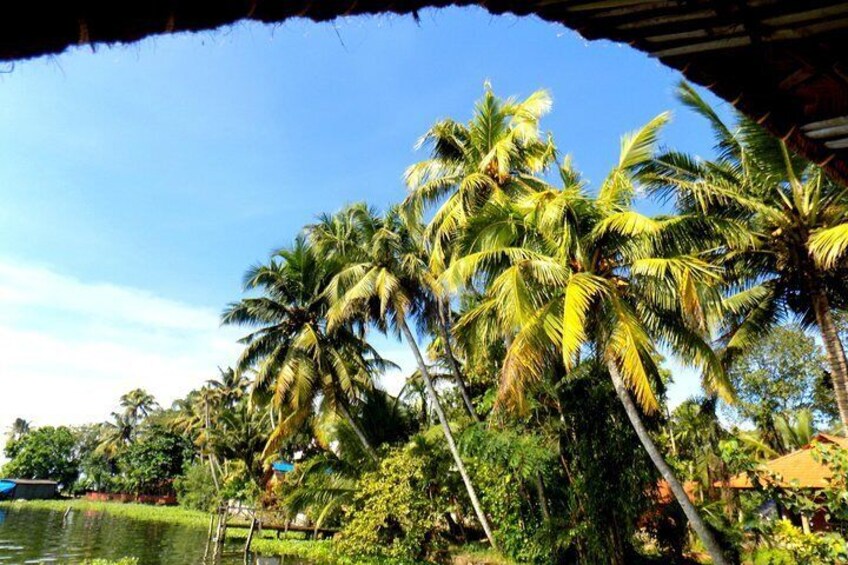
[{"x": 43, "y": 536}]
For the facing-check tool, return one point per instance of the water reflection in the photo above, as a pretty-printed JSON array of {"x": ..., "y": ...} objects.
[{"x": 44, "y": 536}]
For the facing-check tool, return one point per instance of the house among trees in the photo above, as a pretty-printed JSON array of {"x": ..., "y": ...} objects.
[{"x": 803, "y": 470}]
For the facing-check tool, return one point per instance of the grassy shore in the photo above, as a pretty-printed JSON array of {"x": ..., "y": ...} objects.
[
  {"x": 322, "y": 551},
  {"x": 168, "y": 514}
]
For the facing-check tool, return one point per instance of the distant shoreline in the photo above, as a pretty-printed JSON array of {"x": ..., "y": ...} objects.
[{"x": 321, "y": 551}]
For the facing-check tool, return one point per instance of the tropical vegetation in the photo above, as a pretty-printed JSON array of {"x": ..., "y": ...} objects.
[{"x": 544, "y": 315}]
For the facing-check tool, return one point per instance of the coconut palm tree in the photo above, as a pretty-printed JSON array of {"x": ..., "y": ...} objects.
[
  {"x": 414, "y": 392},
  {"x": 790, "y": 432},
  {"x": 116, "y": 434},
  {"x": 565, "y": 274},
  {"x": 438, "y": 316},
  {"x": 138, "y": 404},
  {"x": 192, "y": 417},
  {"x": 240, "y": 434},
  {"x": 323, "y": 485},
  {"x": 795, "y": 430},
  {"x": 496, "y": 155},
  {"x": 787, "y": 231},
  {"x": 386, "y": 283},
  {"x": 296, "y": 358},
  {"x": 230, "y": 386}
]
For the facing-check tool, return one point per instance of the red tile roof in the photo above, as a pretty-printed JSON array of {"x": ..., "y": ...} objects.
[{"x": 797, "y": 469}]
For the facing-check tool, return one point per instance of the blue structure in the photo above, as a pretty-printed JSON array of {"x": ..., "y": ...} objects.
[
  {"x": 7, "y": 488},
  {"x": 282, "y": 467}
]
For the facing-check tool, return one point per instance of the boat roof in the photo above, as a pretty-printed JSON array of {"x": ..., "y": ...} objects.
[{"x": 30, "y": 482}]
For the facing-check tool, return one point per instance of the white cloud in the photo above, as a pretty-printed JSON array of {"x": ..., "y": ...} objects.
[
  {"x": 70, "y": 348},
  {"x": 26, "y": 287}
]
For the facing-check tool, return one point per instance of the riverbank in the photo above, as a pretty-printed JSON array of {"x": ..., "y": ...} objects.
[
  {"x": 167, "y": 514},
  {"x": 322, "y": 551}
]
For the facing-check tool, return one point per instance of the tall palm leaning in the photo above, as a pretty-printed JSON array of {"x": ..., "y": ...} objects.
[
  {"x": 785, "y": 254},
  {"x": 494, "y": 156},
  {"x": 385, "y": 283},
  {"x": 568, "y": 274},
  {"x": 296, "y": 359},
  {"x": 438, "y": 315}
]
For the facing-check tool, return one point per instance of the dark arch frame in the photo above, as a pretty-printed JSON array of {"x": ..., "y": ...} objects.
[{"x": 782, "y": 62}]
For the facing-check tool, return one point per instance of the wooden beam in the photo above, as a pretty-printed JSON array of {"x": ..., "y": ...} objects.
[
  {"x": 697, "y": 33},
  {"x": 599, "y": 5},
  {"x": 672, "y": 18},
  {"x": 631, "y": 11},
  {"x": 716, "y": 45},
  {"x": 722, "y": 41},
  {"x": 811, "y": 30},
  {"x": 837, "y": 144},
  {"x": 828, "y": 132},
  {"x": 703, "y": 19},
  {"x": 798, "y": 77},
  {"x": 806, "y": 15},
  {"x": 822, "y": 124}
]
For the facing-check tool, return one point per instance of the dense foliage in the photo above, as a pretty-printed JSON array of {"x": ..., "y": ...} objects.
[
  {"x": 399, "y": 506},
  {"x": 43, "y": 453},
  {"x": 149, "y": 465},
  {"x": 538, "y": 310},
  {"x": 781, "y": 375}
]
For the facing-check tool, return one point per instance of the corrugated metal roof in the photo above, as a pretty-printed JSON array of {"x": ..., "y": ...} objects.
[{"x": 31, "y": 482}]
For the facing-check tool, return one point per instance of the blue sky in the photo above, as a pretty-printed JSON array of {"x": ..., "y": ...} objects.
[{"x": 138, "y": 182}]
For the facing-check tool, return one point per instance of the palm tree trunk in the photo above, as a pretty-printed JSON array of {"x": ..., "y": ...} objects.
[
  {"x": 835, "y": 354},
  {"x": 543, "y": 499},
  {"x": 444, "y": 329},
  {"x": 443, "y": 420},
  {"x": 671, "y": 433},
  {"x": 689, "y": 509},
  {"x": 206, "y": 426},
  {"x": 369, "y": 449}
]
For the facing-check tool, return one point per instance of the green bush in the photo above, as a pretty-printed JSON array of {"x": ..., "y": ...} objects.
[
  {"x": 504, "y": 487},
  {"x": 787, "y": 545},
  {"x": 398, "y": 508},
  {"x": 196, "y": 490},
  {"x": 238, "y": 484},
  {"x": 149, "y": 464}
]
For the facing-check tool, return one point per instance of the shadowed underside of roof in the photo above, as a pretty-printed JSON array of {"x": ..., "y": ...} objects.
[{"x": 782, "y": 62}]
